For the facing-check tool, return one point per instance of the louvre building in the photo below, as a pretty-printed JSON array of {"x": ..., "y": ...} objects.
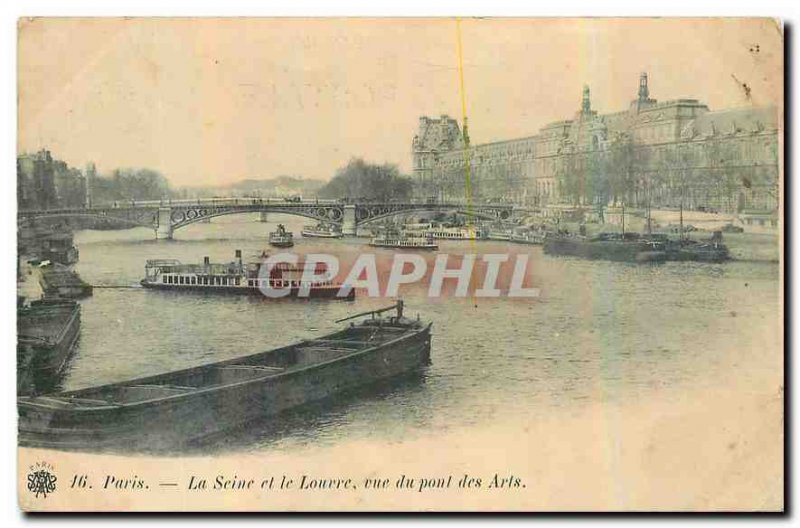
[{"x": 666, "y": 154}]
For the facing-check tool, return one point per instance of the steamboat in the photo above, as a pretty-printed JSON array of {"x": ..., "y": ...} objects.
[
  {"x": 443, "y": 232},
  {"x": 528, "y": 236},
  {"x": 238, "y": 277},
  {"x": 281, "y": 237},
  {"x": 396, "y": 239},
  {"x": 321, "y": 231},
  {"x": 177, "y": 407}
]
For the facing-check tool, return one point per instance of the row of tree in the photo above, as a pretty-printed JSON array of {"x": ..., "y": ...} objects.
[
  {"x": 359, "y": 180},
  {"x": 46, "y": 183},
  {"x": 641, "y": 176}
]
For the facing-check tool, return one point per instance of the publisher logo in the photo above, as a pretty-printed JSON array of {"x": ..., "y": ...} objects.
[{"x": 41, "y": 479}]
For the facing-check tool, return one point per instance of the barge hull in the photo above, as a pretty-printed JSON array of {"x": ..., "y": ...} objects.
[{"x": 175, "y": 421}]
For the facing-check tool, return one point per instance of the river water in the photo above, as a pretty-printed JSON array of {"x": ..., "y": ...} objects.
[{"x": 599, "y": 331}]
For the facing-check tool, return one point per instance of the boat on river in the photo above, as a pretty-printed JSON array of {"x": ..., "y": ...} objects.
[
  {"x": 174, "y": 408},
  {"x": 528, "y": 236},
  {"x": 621, "y": 247},
  {"x": 396, "y": 239},
  {"x": 633, "y": 247},
  {"x": 444, "y": 232},
  {"x": 47, "y": 331},
  {"x": 281, "y": 237},
  {"x": 321, "y": 231},
  {"x": 60, "y": 282},
  {"x": 254, "y": 278}
]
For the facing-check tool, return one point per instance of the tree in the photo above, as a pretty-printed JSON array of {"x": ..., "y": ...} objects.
[
  {"x": 366, "y": 181},
  {"x": 620, "y": 169}
]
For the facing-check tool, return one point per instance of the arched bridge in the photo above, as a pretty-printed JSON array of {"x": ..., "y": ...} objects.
[{"x": 167, "y": 216}]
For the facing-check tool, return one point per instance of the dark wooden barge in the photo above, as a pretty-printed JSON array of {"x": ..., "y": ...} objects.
[{"x": 174, "y": 408}]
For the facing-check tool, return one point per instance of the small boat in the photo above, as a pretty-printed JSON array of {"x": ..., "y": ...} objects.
[
  {"x": 253, "y": 278},
  {"x": 395, "y": 239},
  {"x": 321, "y": 231},
  {"x": 281, "y": 238},
  {"x": 177, "y": 407}
]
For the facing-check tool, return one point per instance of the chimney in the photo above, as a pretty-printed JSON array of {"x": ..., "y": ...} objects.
[
  {"x": 644, "y": 92},
  {"x": 206, "y": 261},
  {"x": 239, "y": 257}
]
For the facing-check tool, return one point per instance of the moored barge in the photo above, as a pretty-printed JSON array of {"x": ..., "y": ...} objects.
[
  {"x": 174, "y": 408},
  {"x": 60, "y": 282},
  {"x": 632, "y": 247},
  {"x": 47, "y": 331}
]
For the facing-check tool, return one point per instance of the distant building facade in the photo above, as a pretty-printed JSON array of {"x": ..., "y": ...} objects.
[
  {"x": 659, "y": 153},
  {"x": 45, "y": 183}
]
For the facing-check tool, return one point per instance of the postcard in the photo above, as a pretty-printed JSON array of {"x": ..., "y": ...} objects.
[{"x": 400, "y": 264}]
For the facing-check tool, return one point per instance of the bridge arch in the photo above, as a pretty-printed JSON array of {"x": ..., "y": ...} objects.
[
  {"x": 24, "y": 219},
  {"x": 487, "y": 215},
  {"x": 183, "y": 217}
]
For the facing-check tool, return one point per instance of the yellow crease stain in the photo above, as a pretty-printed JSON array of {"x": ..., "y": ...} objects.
[{"x": 467, "y": 164}]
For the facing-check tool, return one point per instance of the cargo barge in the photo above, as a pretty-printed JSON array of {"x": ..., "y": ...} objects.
[
  {"x": 60, "y": 282},
  {"x": 632, "y": 247},
  {"x": 177, "y": 407},
  {"x": 43, "y": 244},
  {"x": 47, "y": 331}
]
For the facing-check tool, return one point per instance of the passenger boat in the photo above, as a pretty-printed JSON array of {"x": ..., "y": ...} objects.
[
  {"x": 499, "y": 234},
  {"x": 321, "y": 231},
  {"x": 177, "y": 407},
  {"x": 47, "y": 331},
  {"x": 281, "y": 238},
  {"x": 528, "y": 236},
  {"x": 254, "y": 278},
  {"x": 395, "y": 239},
  {"x": 442, "y": 232}
]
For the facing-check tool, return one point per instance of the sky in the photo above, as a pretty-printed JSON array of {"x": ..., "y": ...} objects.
[{"x": 213, "y": 101}]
